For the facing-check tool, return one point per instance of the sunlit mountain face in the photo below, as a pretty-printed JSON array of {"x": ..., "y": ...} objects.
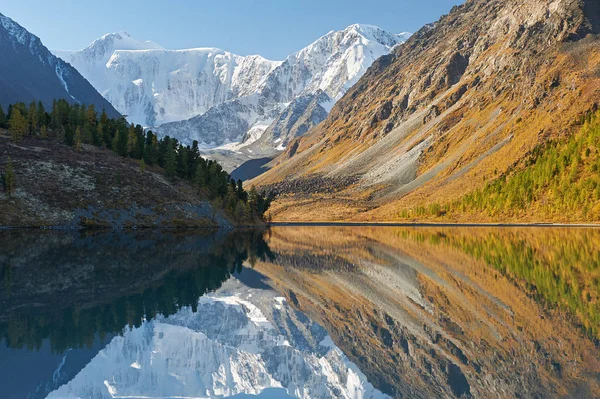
[{"x": 301, "y": 312}]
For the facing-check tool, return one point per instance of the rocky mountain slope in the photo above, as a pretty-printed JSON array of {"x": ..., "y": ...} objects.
[
  {"x": 59, "y": 186},
  {"x": 458, "y": 105},
  {"x": 29, "y": 72},
  {"x": 217, "y": 97}
]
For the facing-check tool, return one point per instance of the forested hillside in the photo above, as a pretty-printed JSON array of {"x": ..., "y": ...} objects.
[
  {"x": 558, "y": 180},
  {"x": 74, "y": 140}
]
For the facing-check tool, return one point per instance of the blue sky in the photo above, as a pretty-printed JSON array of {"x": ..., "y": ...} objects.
[{"x": 271, "y": 28}]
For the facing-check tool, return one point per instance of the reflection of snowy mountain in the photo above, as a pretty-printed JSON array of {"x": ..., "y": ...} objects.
[{"x": 241, "y": 341}]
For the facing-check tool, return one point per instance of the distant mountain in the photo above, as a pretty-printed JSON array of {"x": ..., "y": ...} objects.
[
  {"x": 29, "y": 72},
  {"x": 152, "y": 85},
  {"x": 463, "y": 103},
  {"x": 216, "y": 97},
  {"x": 330, "y": 65}
]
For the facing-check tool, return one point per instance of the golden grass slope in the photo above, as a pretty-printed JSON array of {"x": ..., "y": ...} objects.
[{"x": 455, "y": 107}]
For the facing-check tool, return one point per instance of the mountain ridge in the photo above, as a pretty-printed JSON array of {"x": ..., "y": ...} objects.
[
  {"x": 30, "y": 72},
  {"x": 459, "y": 104},
  {"x": 217, "y": 97}
]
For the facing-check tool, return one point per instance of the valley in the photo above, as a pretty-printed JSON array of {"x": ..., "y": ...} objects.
[{"x": 247, "y": 107}]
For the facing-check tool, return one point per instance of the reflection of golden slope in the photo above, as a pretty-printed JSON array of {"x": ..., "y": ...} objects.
[{"x": 417, "y": 312}]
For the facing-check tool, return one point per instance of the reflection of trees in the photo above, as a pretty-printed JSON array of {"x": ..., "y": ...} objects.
[
  {"x": 559, "y": 267},
  {"x": 209, "y": 262}
]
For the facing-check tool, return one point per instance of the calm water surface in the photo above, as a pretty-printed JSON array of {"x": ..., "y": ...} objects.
[{"x": 301, "y": 312}]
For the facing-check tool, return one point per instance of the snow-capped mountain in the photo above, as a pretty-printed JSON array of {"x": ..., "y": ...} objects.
[
  {"x": 331, "y": 65},
  {"x": 241, "y": 341},
  {"x": 29, "y": 72},
  {"x": 216, "y": 97},
  {"x": 152, "y": 85}
]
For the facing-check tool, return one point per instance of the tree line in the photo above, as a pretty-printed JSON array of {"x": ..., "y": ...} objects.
[
  {"x": 559, "y": 178},
  {"x": 77, "y": 125}
]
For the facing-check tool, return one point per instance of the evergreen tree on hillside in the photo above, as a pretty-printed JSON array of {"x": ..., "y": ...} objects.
[
  {"x": 33, "y": 118},
  {"x": 76, "y": 124},
  {"x": 3, "y": 121},
  {"x": 9, "y": 177},
  {"x": 170, "y": 159},
  {"x": 104, "y": 123},
  {"x": 97, "y": 136},
  {"x": 43, "y": 118},
  {"x": 121, "y": 140},
  {"x": 77, "y": 139},
  {"x": 17, "y": 124},
  {"x": 151, "y": 149}
]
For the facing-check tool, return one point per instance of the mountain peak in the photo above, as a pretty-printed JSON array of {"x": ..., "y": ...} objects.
[
  {"x": 17, "y": 31},
  {"x": 122, "y": 41},
  {"x": 29, "y": 72}
]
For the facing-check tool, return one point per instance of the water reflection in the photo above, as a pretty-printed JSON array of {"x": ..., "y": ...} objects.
[
  {"x": 307, "y": 312},
  {"x": 434, "y": 312}
]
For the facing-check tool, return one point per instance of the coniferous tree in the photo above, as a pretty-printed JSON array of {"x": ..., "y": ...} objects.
[
  {"x": 170, "y": 160},
  {"x": 42, "y": 116},
  {"x": 9, "y": 177},
  {"x": 121, "y": 140},
  {"x": 77, "y": 124},
  {"x": 240, "y": 191},
  {"x": 104, "y": 122},
  {"x": 131, "y": 141},
  {"x": 150, "y": 149},
  {"x": 3, "y": 121},
  {"x": 200, "y": 175},
  {"x": 17, "y": 124},
  {"x": 97, "y": 136},
  {"x": 33, "y": 118},
  {"x": 77, "y": 139}
]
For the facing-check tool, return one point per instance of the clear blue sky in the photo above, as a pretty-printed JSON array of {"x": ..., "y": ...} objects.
[{"x": 271, "y": 28}]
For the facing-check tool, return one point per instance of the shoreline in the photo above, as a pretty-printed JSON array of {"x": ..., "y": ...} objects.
[{"x": 425, "y": 224}]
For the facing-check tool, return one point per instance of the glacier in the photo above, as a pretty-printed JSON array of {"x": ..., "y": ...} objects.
[
  {"x": 216, "y": 97},
  {"x": 242, "y": 341}
]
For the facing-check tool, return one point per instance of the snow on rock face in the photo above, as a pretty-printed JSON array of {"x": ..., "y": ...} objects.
[
  {"x": 332, "y": 64},
  {"x": 30, "y": 72},
  {"x": 189, "y": 93},
  {"x": 152, "y": 85},
  {"x": 241, "y": 340}
]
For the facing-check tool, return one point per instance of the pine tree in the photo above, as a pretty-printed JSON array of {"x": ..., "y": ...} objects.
[
  {"x": 170, "y": 160},
  {"x": 253, "y": 200},
  {"x": 3, "y": 122},
  {"x": 44, "y": 132},
  {"x": 9, "y": 177},
  {"x": 77, "y": 139},
  {"x": 33, "y": 118},
  {"x": 200, "y": 176},
  {"x": 150, "y": 149},
  {"x": 131, "y": 141},
  {"x": 17, "y": 124},
  {"x": 121, "y": 141},
  {"x": 42, "y": 116},
  {"x": 106, "y": 135},
  {"x": 97, "y": 136}
]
